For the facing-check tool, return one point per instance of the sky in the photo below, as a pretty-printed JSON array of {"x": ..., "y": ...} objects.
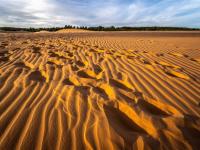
[{"x": 49, "y": 13}]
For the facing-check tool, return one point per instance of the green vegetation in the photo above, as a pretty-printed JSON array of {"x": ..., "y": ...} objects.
[
  {"x": 112, "y": 28},
  {"x": 30, "y": 29},
  {"x": 101, "y": 28}
]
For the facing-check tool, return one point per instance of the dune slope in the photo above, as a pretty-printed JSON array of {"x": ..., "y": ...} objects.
[{"x": 99, "y": 91}]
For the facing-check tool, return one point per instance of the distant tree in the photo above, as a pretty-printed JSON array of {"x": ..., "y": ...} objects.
[{"x": 101, "y": 28}]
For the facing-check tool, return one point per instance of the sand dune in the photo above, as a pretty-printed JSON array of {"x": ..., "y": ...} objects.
[
  {"x": 42, "y": 31},
  {"x": 99, "y": 91},
  {"x": 72, "y": 31}
]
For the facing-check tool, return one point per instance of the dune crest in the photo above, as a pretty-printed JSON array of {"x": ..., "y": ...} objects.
[{"x": 72, "y": 31}]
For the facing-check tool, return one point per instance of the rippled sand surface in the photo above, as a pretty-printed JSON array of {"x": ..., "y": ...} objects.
[{"x": 107, "y": 90}]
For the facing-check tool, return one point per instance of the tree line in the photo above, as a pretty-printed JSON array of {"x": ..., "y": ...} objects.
[{"x": 100, "y": 28}]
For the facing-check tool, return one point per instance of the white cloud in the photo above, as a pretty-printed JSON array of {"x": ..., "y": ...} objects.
[{"x": 99, "y": 12}]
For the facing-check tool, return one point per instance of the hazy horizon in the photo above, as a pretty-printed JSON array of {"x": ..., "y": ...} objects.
[{"x": 137, "y": 13}]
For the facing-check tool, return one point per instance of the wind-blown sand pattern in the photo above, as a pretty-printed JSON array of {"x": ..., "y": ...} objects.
[{"x": 100, "y": 91}]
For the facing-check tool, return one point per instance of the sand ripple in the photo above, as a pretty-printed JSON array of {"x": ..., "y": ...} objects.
[{"x": 98, "y": 91}]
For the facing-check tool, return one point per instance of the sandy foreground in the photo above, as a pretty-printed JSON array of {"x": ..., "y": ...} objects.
[{"x": 115, "y": 90}]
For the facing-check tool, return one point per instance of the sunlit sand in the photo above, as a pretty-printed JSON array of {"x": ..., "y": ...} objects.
[{"x": 99, "y": 90}]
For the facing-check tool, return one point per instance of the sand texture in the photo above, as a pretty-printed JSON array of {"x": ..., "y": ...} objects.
[
  {"x": 72, "y": 31},
  {"x": 101, "y": 91}
]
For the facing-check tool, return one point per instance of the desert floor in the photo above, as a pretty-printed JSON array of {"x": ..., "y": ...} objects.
[{"x": 107, "y": 90}]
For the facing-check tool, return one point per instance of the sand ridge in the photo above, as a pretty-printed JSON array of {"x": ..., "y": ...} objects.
[
  {"x": 72, "y": 31},
  {"x": 99, "y": 91}
]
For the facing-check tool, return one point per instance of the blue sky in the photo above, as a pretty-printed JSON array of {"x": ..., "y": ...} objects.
[{"x": 47, "y": 13}]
